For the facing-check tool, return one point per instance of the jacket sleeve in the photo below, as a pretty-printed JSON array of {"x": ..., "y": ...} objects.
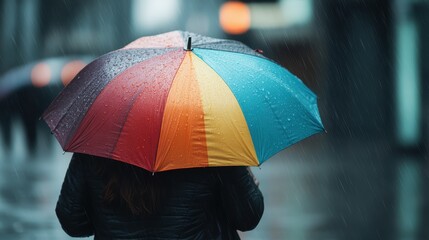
[
  {"x": 242, "y": 201},
  {"x": 71, "y": 206}
]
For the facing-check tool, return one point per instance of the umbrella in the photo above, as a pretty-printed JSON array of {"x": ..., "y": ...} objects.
[{"x": 183, "y": 100}]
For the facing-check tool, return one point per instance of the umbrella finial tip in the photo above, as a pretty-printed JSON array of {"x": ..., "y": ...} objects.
[{"x": 189, "y": 44}]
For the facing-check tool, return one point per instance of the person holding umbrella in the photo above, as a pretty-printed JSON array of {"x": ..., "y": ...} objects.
[
  {"x": 162, "y": 136},
  {"x": 114, "y": 200}
]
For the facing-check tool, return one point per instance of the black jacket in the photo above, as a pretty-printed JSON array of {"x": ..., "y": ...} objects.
[{"x": 205, "y": 203}]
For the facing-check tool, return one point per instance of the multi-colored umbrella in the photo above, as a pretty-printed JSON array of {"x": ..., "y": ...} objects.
[{"x": 182, "y": 100}]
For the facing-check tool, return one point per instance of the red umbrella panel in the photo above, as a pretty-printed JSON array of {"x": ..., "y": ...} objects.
[{"x": 161, "y": 106}]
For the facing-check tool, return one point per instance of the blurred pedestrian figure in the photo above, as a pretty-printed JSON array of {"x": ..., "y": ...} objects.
[{"x": 114, "y": 200}]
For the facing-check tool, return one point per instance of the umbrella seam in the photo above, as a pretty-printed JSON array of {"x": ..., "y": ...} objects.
[
  {"x": 163, "y": 110},
  {"x": 279, "y": 120},
  {"x": 275, "y": 79},
  {"x": 241, "y": 109},
  {"x": 248, "y": 54},
  {"x": 131, "y": 106}
]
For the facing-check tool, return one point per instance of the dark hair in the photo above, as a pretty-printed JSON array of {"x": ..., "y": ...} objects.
[{"x": 130, "y": 187}]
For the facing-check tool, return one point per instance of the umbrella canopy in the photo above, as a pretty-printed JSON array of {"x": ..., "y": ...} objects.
[{"x": 182, "y": 100}]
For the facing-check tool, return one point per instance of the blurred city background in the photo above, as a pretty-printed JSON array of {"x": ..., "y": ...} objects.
[{"x": 367, "y": 60}]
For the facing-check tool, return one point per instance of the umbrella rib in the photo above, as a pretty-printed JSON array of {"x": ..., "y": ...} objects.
[
  {"x": 232, "y": 92},
  {"x": 135, "y": 97},
  {"x": 288, "y": 88},
  {"x": 244, "y": 53},
  {"x": 163, "y": 110},
  {"x": 263, "y": 58},
  {"x": 130, "y": 106},
  {"x": 278, "y": 119}
]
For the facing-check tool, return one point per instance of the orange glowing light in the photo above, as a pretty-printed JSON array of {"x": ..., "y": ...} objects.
[
  {"x": 41, "y": 75},
  {"x": 70, "y": 70},
  {"x": 234, "y": 17}
]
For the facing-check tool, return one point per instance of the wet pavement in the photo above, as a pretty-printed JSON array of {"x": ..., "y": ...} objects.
[
  {"x": 313, "y": 190},
  {"x": 29, "y": 187}
]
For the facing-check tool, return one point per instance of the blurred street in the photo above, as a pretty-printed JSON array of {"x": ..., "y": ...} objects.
[{"x": 29, "y": 188}]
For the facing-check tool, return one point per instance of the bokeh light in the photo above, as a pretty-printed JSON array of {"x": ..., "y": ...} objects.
[
  {"x": 41, "y": 75},
  {"x": 234, "y": 17},
  {"x": 70, "y": 70}
]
